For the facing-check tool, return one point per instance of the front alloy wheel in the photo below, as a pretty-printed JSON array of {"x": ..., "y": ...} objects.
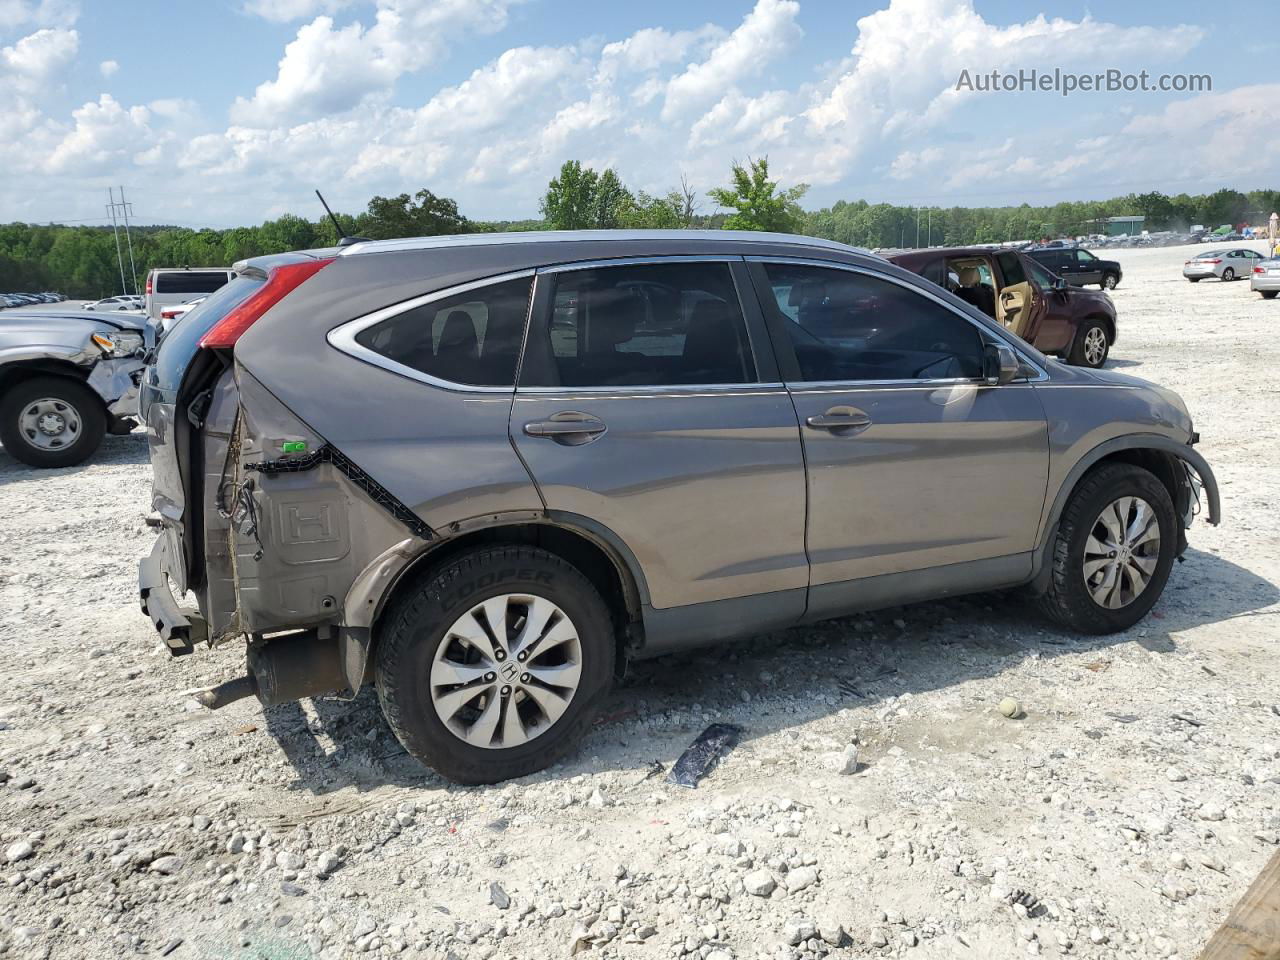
[
  {"x": 1113, "y": 550},
  {"x": 1122, "y": 552}
]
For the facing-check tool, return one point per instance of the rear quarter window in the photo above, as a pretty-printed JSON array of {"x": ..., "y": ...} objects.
[{"x": 471, "y": 338}]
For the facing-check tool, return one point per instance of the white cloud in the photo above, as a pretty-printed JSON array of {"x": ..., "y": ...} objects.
[
  {"x": 108, "y": 68},
  {"x": 327, "y": 69},
  {"x": 34, "y": 60},
  {"x": 15, "y": 14},
  {"x": 282, "y": 11},
  {"x": 652, "y": 104},
  {"x": 902, "y": 73},
  {"x": 106, "y": 135},
  {"x": 767, "y": 32}
]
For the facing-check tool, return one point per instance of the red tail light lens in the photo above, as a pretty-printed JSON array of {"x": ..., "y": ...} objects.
[
  {"x": 148, "y": 285},
  {"x": 1210, "y": 261},
  {"x": 1259, "y": 270},
  {"x": 281, "y": 281}
]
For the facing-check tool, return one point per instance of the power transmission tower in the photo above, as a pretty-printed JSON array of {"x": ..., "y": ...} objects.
[
  {"x": 115, "y": 229},
  {"x": 122, "y": 210}
]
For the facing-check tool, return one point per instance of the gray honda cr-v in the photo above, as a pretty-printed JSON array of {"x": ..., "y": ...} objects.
[{"x": 479, "y": 472}]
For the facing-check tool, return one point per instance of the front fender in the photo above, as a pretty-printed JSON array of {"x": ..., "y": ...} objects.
[{"x": 1133, "y": 441}]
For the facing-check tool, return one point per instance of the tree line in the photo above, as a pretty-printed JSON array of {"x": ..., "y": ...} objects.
[{"x": 81, "y": 262}]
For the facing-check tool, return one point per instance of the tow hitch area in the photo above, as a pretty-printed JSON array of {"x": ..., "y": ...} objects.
[{"x": 180, "y": 628}]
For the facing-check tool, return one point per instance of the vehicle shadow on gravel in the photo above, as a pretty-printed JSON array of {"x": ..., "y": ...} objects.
[
  {"x": 781, "y": 680},
  {"x": 127, "y": 450}
]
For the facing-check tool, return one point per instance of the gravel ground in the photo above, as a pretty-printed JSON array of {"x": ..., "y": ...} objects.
[{"x": 1121, "y": 815}]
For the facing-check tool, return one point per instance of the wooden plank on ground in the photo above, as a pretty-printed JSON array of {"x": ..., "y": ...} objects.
[{"x": 1252, "y": 929}]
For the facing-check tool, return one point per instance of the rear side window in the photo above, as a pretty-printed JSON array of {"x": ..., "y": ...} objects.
[
  {"x": 668, "y": 324},
  {"x": 190, "y": 281},
  {"x": 1011, "y": 267},
  {"x": 848, "y": 326},
  {"x": 470, "y": 338}
]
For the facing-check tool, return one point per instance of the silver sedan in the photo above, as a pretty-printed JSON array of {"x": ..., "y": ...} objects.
[
  {"x": 1265, "y": 278},
  {"x": 1232, "y": 264}
]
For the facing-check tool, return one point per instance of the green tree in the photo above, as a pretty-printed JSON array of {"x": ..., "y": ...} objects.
[
  {"x": 758, "y": 203},
  {"x": 610, "y": 201},
  {"x": 423, "y": 215},
  {"x": 570, "y": 200}
]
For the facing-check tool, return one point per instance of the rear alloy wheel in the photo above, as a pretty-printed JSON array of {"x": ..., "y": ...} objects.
[
  {"x": 1091, "y": 345},
  {"x": 1110, "y": 281},
  {"x": 1113, "y": 551},
  {"x": 1228, "y": 274},
  {"x": 51, "y": 422},
  {"x": 494, "y": 666}
]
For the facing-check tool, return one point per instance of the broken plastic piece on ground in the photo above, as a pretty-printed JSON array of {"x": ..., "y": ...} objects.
[
  {"x": 697, "y": 761},
  {"x": 1187, "y": 718},
  {"x": 1121, "y": 717}
]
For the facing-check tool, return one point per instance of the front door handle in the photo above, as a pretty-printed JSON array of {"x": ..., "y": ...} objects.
[
  {"x": 570, "y": 428},
  {"x": 843, "y": 421}
]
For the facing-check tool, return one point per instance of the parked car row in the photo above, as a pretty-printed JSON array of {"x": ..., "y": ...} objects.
[
  {"x": 594, "y": 447},
  {"x": 8, "y": 300},
  {"x": 127, "y": 301}
]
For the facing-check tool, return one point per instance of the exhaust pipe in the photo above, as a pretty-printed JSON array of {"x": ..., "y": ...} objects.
[{"x": 282, "y": 669}]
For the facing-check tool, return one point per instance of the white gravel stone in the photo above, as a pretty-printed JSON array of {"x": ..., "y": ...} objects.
[
  {"x": 21, "y": 850},
  {"x": 759, "y": 883}
]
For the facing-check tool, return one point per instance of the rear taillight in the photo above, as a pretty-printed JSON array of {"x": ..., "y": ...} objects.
[
  {"x": 281, "y": 281},
  {"x": 1259, "y": 270},
  {"x": 168, "y": 314},
  {"x": 1209, "y": 261},
  {"x": 148, "y": 285}
]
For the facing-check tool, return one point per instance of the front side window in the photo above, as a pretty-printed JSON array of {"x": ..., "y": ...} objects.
[
  {"x": 1085, "y": 257},
  {"x": 853, "y": 326},
  {"x": 660, "y": 324},
  {"x": 470, "y": 338}
]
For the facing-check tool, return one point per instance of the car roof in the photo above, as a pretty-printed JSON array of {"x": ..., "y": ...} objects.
[{"x": 569, "y": 236}]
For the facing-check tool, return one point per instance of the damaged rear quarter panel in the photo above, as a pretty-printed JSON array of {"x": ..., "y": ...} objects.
[{"x": 300, "y": 538}]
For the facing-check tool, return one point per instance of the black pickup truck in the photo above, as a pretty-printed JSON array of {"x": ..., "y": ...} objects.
[{"x": 1078, "y": 267}]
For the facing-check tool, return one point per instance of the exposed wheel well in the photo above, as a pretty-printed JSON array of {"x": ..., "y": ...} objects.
[
  {"x": 12, "y": 374},
  {"x": 601, "y": 565}
]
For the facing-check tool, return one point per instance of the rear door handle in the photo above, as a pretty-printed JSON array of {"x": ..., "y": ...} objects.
[{"x": 569, "y": 427}]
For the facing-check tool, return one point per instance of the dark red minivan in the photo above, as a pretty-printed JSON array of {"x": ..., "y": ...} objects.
[{"x": 1070, "y": 322}]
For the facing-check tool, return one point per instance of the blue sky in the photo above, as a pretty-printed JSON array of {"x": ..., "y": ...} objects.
[{"x": 218, "y": 112}]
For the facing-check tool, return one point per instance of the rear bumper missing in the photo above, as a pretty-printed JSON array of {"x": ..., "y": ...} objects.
[{"x": 180, "y": 628}]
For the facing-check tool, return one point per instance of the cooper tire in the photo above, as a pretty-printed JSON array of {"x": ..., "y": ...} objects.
[
  {"x": 73, "y": 404},
  {"x": 1069, "y": 599},
  {"x": 1085, "y": 350},
  {"x": 417, "y": 632}
]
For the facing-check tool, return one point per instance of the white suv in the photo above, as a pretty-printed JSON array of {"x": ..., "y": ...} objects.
[{"x": 167, "y": 286}]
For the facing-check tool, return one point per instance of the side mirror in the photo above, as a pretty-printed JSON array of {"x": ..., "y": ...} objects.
[
  {"x": 999, "y": 364},
  {"x": 1059, "y": 284}
]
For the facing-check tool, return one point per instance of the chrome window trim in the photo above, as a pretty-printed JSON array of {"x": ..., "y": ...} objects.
[
  {"x": 641, "y": 390},
  {"x": 343, "y": 336},
  {"x": 638, "y": 261},
  {"x": 982, "y": 328}
]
